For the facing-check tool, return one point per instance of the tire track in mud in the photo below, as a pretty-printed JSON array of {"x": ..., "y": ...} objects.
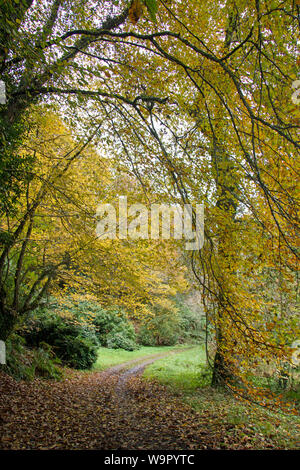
[
  {"x": 129, "y": 404},
  {"x": 123, "y": 371}
]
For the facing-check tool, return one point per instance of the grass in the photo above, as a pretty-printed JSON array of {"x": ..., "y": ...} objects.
[
  {"x": 112, "y": 357},
  {"x": 184, "y": 371},
  {"x": 236, "y": 423}
]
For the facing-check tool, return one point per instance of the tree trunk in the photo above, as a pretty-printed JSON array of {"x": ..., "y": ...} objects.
[
  {"x": 222, "y": 374},
  {"x": 8, "y": 320}
]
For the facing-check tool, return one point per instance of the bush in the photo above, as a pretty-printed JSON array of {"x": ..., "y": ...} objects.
[
  {"x": 192, "y": 323},
  {"x": 76, "y": 351},
  {"x": 98, "y": 324},
  {"x": 45, "y": 363},
  {"x": 24, "y": 364},
  {"x": 73, "y": 342},
  {"x": 146, "y": 337},
  {"x": 76, "y": 328},
  {"x": 167, "y": 326},
  {"x": 114, "y": 330},
  {"x": 122, "y": 339},
  {"x": 161, "y": 329}
]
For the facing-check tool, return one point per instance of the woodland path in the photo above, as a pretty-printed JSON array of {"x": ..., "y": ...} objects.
[{"x": 114, "y": 409}]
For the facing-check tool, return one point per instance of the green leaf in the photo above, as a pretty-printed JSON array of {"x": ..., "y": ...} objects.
[{"x": 152, "y": 8}]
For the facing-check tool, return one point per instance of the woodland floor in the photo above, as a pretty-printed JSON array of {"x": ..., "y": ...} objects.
[{"x": 114, "y": 409}]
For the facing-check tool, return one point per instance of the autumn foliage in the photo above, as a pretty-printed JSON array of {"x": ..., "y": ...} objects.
[{"x": 164, "y": 102}]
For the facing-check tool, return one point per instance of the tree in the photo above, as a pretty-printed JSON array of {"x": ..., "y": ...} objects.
[
  {"x": 51, "y": 242},
  {"x": 40, "y": 43},
  {"x": 226, "y": 135},
  {"x": 230, "y": 130}
]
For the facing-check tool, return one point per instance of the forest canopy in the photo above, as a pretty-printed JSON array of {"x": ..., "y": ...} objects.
[{"x": 165, "y": 102}]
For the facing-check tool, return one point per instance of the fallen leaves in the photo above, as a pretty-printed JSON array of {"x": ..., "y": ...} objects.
[{"x": 102, "y": 411}]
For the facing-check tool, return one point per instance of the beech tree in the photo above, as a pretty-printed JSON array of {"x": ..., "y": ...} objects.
[
  {"x": 41, "y": 45},
  {"x": 229, "y": 125},
  {"x": 53, "y": 246},
  {"x": 200, "y": 102}
]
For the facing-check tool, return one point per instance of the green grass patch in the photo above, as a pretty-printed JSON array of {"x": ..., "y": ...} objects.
[
  {"x": 111, "y": 357},
  {"x": 184, "y": 371}
]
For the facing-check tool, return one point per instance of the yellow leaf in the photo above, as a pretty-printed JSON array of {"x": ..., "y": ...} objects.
[{"x": 135, "y": 11}]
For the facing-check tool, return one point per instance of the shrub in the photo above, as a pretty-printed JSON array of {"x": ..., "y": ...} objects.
[
  {"x": 76, "y": 351},
  {"x": 192, "y": 323},
  {"x": 114, "y": 330},
  {"x": 76, "y": 328},
  {"x": 24, "y": 363},
  {"x": 96, "y": 323},
  {"x": 161, "y": 329},
  {"x": 167, "y": 326},
  {"x": 123, "y": 339},
  {"x": 73, "y": 342},
  {"x": 146, "y": 337},
  {"x": 45, "y": 363}
]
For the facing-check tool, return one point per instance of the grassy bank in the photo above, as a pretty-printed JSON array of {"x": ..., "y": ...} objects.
[
  {"x": 184, "y": 371},
  {"x": 235, "y": 423},
  {"x": 112, "y": 357}
]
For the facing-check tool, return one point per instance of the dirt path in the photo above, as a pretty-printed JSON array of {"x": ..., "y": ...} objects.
[
  {"x": 150, "y": 357},
  {"x": 142, "y": 417},
  {"x": 114, "y": 409},
  {"x": 123, "y": 371},
  {"x": 132, "y": 372}
]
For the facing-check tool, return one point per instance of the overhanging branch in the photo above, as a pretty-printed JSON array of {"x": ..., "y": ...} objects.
[{"x": 91, "y": 93}]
